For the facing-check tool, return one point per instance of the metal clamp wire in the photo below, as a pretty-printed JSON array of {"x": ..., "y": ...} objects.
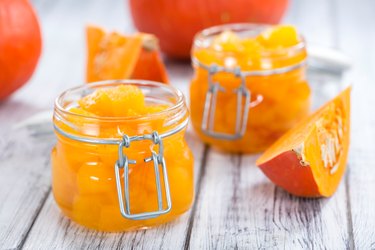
[
  {"x": 123, "y": 162},
  {"x": 242, "y": 91}
]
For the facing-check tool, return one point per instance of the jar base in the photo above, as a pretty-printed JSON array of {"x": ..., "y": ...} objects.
[{"x": 119, "y": 227}]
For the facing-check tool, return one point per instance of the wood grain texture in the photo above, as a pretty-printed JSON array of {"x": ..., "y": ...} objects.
[
  {"x": 357, "y": 37},
  {"x": 239, "y": 208},
  {"x": 24, "y": 183},
  {"x": 54, "y": 231},
  {"x": 236, "y": 206}
]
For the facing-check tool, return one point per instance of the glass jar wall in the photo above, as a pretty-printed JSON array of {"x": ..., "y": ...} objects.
[
  {"x": 249, "y": 85},
  {"x": 87, "y": 150}
]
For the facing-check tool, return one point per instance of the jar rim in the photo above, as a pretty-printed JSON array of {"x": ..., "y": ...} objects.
[
  {"x": 202, "y": 36},
  {"x": 180, "y": 99}
]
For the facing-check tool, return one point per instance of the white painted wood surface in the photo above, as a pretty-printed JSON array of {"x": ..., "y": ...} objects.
[
  {"x": 357, "y": 37},
  {"x": 54, "y": 231},
  {"x": 236, "y": 206}
]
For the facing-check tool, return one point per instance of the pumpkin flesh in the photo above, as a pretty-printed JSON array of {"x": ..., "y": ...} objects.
[
  {"x": 114, "y": 56},
  {"x": 149, "y": 65}
]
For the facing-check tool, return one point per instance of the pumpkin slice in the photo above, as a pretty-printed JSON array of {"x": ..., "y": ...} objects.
[
  {"x": 114, "y": 56},
  {"x": 310, "y": 159},
  {"x": 149, "y": 65}
]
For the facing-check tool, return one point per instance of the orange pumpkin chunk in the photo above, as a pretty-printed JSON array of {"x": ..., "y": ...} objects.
[
  {"x": 115, "y": 56},
  {"x": 310, "y": 159},
  {"x": 120, "y": 101},
  {"x": 279, "y": 36}
]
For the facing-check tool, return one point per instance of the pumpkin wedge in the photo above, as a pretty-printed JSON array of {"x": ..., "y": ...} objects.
[
  {"x": 310, "y": 159},
  {"x": 115, "y": 56},
  {"x": 149, "y": 65}
]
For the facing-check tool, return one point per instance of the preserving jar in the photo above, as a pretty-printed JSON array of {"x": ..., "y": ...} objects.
[
  {"x": 122, "y": 173},
  {"x": 242, "y": 100}
]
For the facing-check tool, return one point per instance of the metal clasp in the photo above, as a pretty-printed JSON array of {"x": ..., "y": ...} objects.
[
  {"x": 242, "y": 111},
  {"x": 157, "y": 159}
]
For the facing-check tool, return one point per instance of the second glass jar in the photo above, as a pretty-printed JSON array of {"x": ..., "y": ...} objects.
[{"x": 243, "y": 100}]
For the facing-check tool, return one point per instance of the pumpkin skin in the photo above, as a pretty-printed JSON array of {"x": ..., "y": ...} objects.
[
  {"x": 20, "y": 44},
  {"x": 175, "y": 22},
  {"x": 295, "y": 161}
]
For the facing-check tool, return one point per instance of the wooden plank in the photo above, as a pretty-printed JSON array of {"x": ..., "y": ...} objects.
[
  {"x": 54, "y": 231},
  {"x": 239, "y": 208},
  {"x": 24, "y": 183},
  {"x": 61, "y": 67},
  {"x": 361, "y": 181},
  {"x": 236, "y": 206},
  {"x": 357, "y": 39},
  {"x": 63, "y": 60},
  {"x": 24, "y": 164}
]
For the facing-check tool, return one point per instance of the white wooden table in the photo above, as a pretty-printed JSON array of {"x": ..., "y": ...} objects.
[{"x": 236, "y": 206}]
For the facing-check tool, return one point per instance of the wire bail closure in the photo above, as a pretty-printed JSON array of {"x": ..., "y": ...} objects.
[
  {"x": 242, "y": 111},
  {"x": 123, "y": 162},
  {"x": 242, "y": 92},
  {"x": 158, "y": 160}
]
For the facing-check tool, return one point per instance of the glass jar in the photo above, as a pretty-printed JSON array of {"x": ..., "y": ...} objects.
[
  {"x": 244, "y": 101},
  {"x": 122, "y": 173}
]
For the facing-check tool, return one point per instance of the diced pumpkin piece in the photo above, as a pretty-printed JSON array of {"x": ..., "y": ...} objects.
[
  {"x": 251, "y": 46},
  {"x": 123, "y": 100},
  {"x": 115, "y": 56},
  {"x": 95, "y": 178},
  {"x": 87, "y": 207},
  {"x": 280, "y": 36},
  {"x": 79, "y": 111},
  {"x": 227, "y": 41},
  {"x": 154, "y": 109},
  {"x": 310, "y": 159}
]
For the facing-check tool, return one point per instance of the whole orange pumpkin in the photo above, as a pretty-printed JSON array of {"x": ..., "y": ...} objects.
[
  {"x": 175, "y": 22},
  {"x": 20, "y": 44}
]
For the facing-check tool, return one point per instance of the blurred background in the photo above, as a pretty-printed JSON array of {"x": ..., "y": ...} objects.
[{"x": 344, "y": 25}]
